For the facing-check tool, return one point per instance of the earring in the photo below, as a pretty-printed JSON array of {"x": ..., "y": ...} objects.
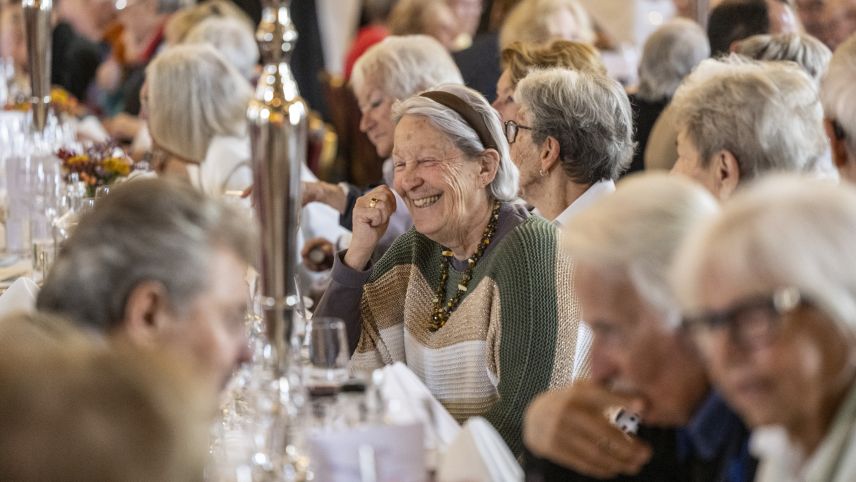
[{"x": 542, "y": 172}]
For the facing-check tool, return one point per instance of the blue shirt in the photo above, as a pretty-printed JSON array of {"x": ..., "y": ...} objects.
[{"x": 716, "y": 436}]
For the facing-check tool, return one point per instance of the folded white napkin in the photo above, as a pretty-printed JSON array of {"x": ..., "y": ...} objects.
[
  {"x": 19, "y": 297},
  {"x": 374, "y": 453},
  {"x": 478, "y": 454},
  {"x": 409, "y": 401}
]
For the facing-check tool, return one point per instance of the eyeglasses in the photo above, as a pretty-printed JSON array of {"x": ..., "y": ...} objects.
[
  {"x": 751, "y": 324},
  {"x": 511, "y": 129}
]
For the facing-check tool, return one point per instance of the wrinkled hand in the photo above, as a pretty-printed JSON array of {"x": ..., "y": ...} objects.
[
  {"x": 318, "y": 254},
  {"x": 324, "y": 192},
  {"x": 569, "y": 427},
  {"x": 370, "y": 221}
]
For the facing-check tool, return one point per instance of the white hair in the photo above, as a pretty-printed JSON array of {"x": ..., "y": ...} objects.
[
  {"x": 767, "y": 114},
  {"x": 838, "y": 92},
  {"x": 588, "y": 114},
  {"x": 194, "y": 94},
  {"x": 785, "y": 231},
  {"x": 505, "y": 185},
  {"x": 637, "y": 231},
  {"x": 669, "y": 55},
  {"x": 805, "y": 50},
  {"x": 402, "y": 66},
  {"x": 530, "y": 22},
  {"x": 233, "y": 38}
]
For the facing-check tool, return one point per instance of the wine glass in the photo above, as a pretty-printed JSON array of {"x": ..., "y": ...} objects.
[{"x": 328, "y": 356}]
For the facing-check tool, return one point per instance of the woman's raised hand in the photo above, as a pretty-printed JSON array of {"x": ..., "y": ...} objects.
[{"x": 370, "y": 221}]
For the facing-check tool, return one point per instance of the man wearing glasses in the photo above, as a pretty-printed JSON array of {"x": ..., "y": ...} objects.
[{"x": 642, "y": 358}]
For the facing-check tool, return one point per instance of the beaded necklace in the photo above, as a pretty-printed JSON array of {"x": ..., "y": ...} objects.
[{"x": 443, "y": 309}]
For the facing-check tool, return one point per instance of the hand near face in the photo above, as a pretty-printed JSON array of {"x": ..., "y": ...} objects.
[
  {"x": 370, "y": 221},
  {"x": 569, "y": 427}
]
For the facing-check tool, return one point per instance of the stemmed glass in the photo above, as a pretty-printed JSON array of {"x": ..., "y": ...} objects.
[{"x": 328, "y": 356}]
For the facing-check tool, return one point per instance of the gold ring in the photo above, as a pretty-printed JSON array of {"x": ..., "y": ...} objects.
[{"x": 373, "y": 202}]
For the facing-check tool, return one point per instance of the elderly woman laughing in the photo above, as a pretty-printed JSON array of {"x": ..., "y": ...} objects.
[{"x": 474, "y": 299}]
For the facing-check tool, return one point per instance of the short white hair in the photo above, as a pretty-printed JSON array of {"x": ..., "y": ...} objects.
[
  {"x": 767, "y": 114},
  {"x": 637, "y": 231},
  {"x": 805, "y": 50},
  {"x": 669, "y": 55},
  {"x": 505, "y": 185},
  {"x": 785, "y": 231},
  {"x": 588, "y": 114},
  {"x": 838, "y": 92},
  {"x": 194, "y": 94},
  {"x": 529, "y": 22},
  {"x": 233, "y": 38},
  {"x": 401, "y": 66}
]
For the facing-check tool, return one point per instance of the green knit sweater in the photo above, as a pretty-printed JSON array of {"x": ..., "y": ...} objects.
[{"x": 513, "y": 335}]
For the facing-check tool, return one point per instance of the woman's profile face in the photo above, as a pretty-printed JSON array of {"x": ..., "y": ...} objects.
[
  {"x": 504, "y": 103},
  {"x": 376, "y": 118},
  {"x": 774, "y": 369},
  {"x": 438, "y": 182}
]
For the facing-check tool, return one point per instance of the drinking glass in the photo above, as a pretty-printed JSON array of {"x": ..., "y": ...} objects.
[{"x": 328, "y": 356}]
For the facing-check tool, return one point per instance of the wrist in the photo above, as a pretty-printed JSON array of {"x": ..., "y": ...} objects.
[
  {"x": 336, "y": 196},
  {"x": 357, "y": 258}
]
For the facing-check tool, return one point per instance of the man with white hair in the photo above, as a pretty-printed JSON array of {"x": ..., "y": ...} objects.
[
  {"x": 159, "y": 265},
  {"x": 838, "y": 94},
  {"x": 739, "y": 120},
  {"x": 641, "y": 360}
]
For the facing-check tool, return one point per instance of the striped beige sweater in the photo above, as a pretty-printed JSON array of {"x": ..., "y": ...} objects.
[{"x": 513, "y": 335}]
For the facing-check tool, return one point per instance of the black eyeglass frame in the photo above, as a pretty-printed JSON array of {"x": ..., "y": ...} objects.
[
  {"x": 511, "y": 128},
  {"x": 776, "y": 305}
]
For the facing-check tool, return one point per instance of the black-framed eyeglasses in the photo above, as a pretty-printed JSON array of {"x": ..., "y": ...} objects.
[
  {"x": 511, "y": 129},
  {"x": 752, "y": 323}
]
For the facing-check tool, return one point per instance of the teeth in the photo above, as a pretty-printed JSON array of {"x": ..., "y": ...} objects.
[{"x": 425, "y": 201}]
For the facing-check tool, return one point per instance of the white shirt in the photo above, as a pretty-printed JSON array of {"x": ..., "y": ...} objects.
[{"x": 592, "y": 194}]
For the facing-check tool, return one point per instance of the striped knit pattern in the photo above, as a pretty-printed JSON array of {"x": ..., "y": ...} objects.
[{"x": 513, "y": 335}]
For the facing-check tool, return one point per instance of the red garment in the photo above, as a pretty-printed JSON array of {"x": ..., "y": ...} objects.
[
  {"x": 156, "y": 41},
  {"x": 366, "y": 37}
]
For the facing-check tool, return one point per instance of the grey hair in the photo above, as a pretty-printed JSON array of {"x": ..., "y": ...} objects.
[
  {"x": 637, "y": 231},
  {"x": 785, "y": 231},
  {"x": 529, "y": 22},
  {"x": 838, "y": 92},
  {"x": 505, "y": 185},
  {"x": 145, "y": 230},
  {"x": 194, "y": 94},
  {"x": 401, "y": 66},
  {"x": 233, "y": 38},
  {"x": 588, "y": 114},
  {"x": 805, "y": 50},
  {"x": 669, "y": 55},
  {"x": 767, "y": 114}
]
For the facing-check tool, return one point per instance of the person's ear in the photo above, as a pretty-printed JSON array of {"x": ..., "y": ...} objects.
[
  {"x": 489, "y": 165},
  {"x": 727, "y": 172},
  {"x": 146, "y": 312},
  {"x": 549, "y": 153}
]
